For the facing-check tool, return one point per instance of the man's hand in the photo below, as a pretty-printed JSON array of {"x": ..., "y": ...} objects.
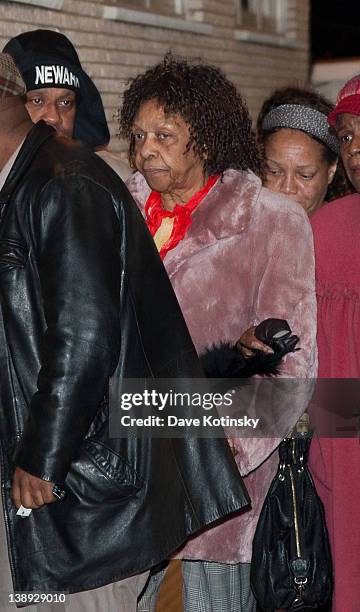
[
  {"x": 248, "y": 342},
  {"x": 29, "y": 491}
]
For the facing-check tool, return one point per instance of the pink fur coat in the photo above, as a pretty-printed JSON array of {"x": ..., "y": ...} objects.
[{"x": 247, "y": 255}]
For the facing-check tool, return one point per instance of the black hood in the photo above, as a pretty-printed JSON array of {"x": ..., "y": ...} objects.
[{"x": 47, "y": 58}]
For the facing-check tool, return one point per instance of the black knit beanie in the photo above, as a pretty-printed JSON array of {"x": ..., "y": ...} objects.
[{"x": 47, "y": 58}]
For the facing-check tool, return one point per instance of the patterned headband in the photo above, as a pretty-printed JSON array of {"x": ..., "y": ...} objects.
[{"x": 308, "y": 120}]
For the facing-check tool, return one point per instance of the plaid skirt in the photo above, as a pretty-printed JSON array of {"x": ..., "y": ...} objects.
[{"x": 207, "y": 587}]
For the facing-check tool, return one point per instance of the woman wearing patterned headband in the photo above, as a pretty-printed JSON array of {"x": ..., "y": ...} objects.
[
  {"x": 300, "y": 154},
  {"x": 228, "y": 246},
  {"x": 300, "y": 149}
]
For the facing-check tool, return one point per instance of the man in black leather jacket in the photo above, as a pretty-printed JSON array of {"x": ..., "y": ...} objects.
[{"x": 77, "y": 308}]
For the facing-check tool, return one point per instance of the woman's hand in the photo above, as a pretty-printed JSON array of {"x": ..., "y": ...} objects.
[{"x": 248, "y": 343}]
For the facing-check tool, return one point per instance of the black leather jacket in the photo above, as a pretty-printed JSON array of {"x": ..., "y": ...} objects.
[{"x": 83, "y": 296}]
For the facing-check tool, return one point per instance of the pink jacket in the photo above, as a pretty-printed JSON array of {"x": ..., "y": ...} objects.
[{"x": 247, "y": 255}]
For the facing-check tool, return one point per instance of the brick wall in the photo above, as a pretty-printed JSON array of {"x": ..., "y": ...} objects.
[{"x": 112, "y": 51}]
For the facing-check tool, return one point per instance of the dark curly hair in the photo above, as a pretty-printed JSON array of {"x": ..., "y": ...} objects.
[
  {"x": 340, "y": 184},
  {"x": 217, "y": 116}
]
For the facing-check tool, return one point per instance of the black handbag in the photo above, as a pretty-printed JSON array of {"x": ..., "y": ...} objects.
[{"x": 291, "y": 564}]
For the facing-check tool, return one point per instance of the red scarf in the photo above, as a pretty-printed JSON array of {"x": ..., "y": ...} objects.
[{"x": 155, "y": 213}]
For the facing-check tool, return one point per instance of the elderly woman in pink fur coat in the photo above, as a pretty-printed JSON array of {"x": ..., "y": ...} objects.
[{"x": 235, "y": 254}]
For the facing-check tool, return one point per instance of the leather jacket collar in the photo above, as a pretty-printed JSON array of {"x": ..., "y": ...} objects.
[{"x": 33, "y": 141}]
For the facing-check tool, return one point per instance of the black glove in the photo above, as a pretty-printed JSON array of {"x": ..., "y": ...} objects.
[
  {"x": 276, "y": 333},
  {"x": 227, "y": 361}
]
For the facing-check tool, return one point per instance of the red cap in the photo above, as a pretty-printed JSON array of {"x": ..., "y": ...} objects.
[{"x": 348, "y": 100}]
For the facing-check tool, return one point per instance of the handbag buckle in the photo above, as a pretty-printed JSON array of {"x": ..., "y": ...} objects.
[
  {"x": 282, "y": 468},
  {"x": 300, "y": 581}
]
